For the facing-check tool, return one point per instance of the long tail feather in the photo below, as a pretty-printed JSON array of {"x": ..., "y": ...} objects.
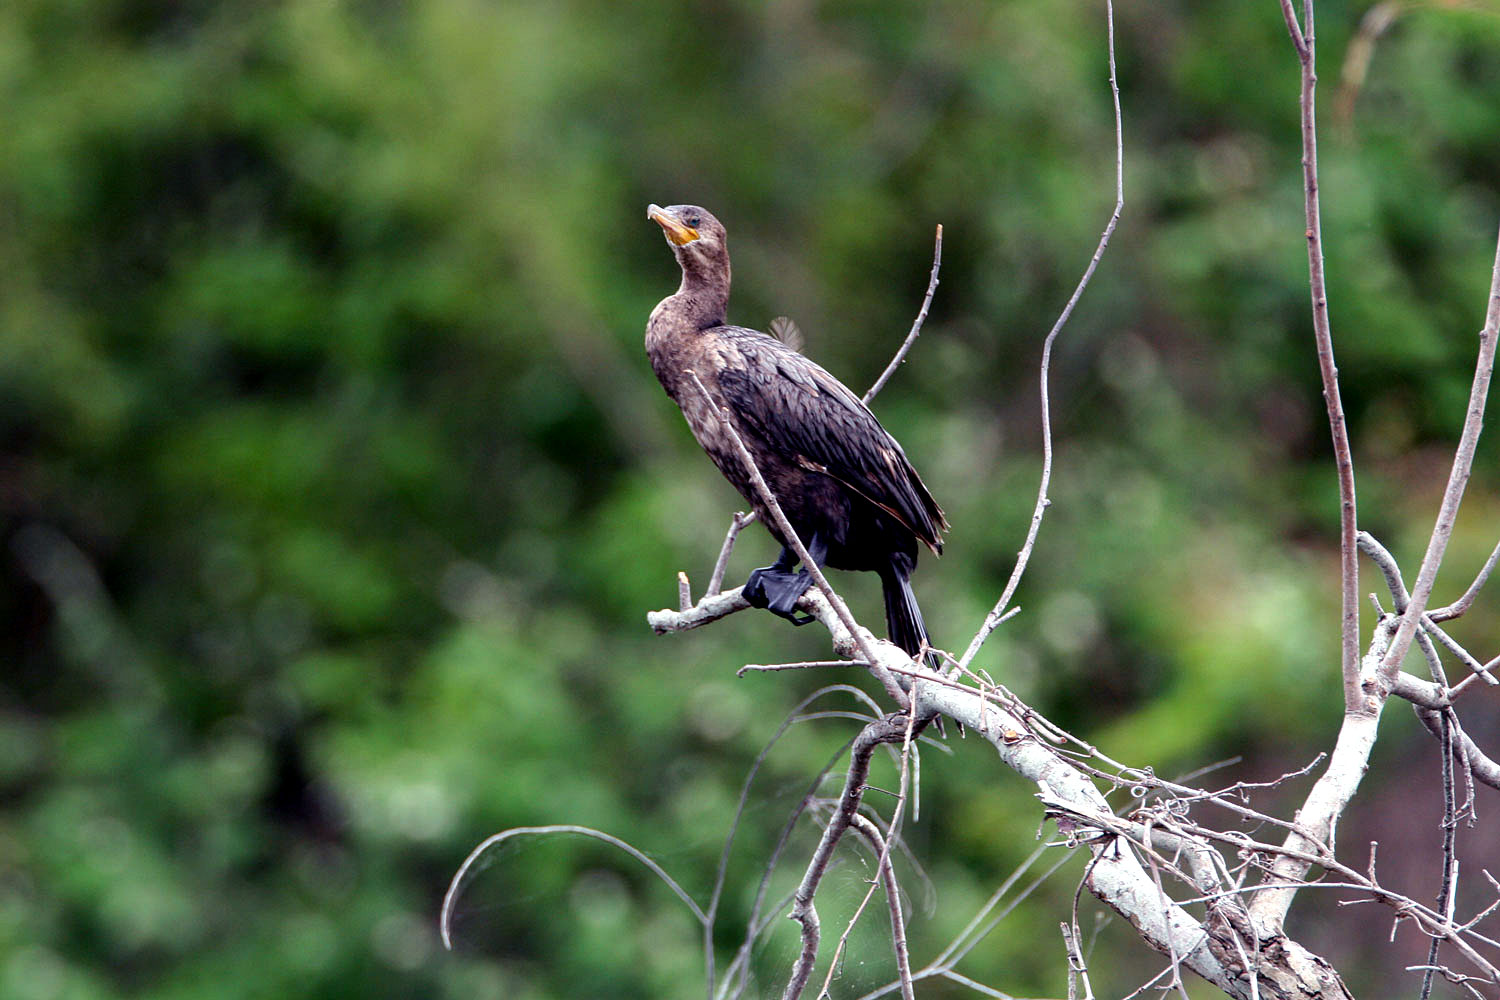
[
  {"x": 903, "y": 622},
  {"x": 903, "y": 619}
]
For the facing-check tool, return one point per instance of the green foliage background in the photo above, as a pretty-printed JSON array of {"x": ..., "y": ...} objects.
[{"x": 335, "y": 484}]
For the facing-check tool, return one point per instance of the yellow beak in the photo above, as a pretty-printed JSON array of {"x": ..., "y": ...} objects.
[{"x": 679, "y": 234}]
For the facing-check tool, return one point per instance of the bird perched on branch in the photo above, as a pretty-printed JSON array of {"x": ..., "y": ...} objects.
[{"x": 843, "y": 482}]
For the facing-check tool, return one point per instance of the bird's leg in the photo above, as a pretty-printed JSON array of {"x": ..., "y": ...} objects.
[{"x": 776, "y": 588}]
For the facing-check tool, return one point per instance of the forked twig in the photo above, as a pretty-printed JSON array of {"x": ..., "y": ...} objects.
[
  {"x": 1458, "y": 479},
  {"x": 890, "y": 729},
  {"x": 790, "y": 719},
  {"x": 1332, "y": 792}
]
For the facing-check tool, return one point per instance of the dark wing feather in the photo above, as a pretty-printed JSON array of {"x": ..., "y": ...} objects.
[{"x": 795, "y": 406}]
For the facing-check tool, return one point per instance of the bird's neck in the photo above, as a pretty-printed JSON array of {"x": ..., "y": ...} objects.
[
  {"x": 702, "y": 300},
  {"x": 675, "y": 333}
]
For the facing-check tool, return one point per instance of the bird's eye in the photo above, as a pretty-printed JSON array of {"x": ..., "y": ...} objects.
[{"x": 694, "y": 221}]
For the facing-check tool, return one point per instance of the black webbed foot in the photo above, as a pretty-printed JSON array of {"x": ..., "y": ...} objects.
[{"x": 777, "y": 590}]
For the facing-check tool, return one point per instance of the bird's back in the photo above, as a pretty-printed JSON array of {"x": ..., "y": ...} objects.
[{"x": 799, "y": 411}]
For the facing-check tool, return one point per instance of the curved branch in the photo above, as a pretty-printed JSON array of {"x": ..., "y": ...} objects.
[
  {"x": 999, "y": 612},
  {"x": 1458, "y": 480},
  {"x": 916, "y": 326},
  {"x": 866, "y": 828},
  {"x": 455, "y": 885},
  {"x": 1465, "y": 750},
  {"x": 891, "y": 729}
]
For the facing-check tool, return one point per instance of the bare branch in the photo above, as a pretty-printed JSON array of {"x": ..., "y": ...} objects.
[
  {"x": 1483, "y": 768},
  {"x": 1458, "y": 479},
  {"x": 1302, "y": 40},
  {"x": 1357, "y": 57},
  {"x": 791, "y": 718},
  {"x": 916, "y": 326},
  {"x": 1447, "y": 893},
  {"x": 1363, "y": 701},
  {"x": 709, "y": 610},
  {"x": 867, "y": 828},
  {"x": 456, "y": 884},
  {"x": 973, "y": 932},
  {"x": 1461, "y": 605},
  {"x": 1326, "y": 801},
  {"x": 1077, "y": 967},
  {"x": 1479, "y": 670},
  {"x": 891, "y": 729},
  {"x": 802, "y": 665},
  {"x": 1289, "y": 13},
  {"x": 977, "y": 987},
  {"x": 758, "y": 923},
  {"x": 1430, "y": 628},
  {"x": 736, "y": 525},
  {"x": 998, "y": 613},
  {"x": 1116, "y": 876},
  {"x": 883, "y": 865}
]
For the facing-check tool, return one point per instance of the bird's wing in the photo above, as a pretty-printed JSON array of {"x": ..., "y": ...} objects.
[{"x": 798, "y": 408}]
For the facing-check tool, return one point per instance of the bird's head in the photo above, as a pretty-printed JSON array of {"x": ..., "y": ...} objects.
[{"x": 696, "y": 237}]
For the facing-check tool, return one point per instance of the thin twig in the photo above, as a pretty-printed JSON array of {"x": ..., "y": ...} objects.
[
  {"x": 1450, "y": 861},
  {"x": 1461, "y": 605},
  {"x": 1429, "y": 920},
  {"x": 1480, "y": 767},
  {"x": 998, "y": 613},
  {"x": 1302, "y": 40},
  {"x": 756, "y": 923},
  {"x": 790, "y": 719},
  {"x": 976, "y": 986},
  {"x": 1290, "y": 14},
  {"x": 916, "y": 326},
  {"x": 1480, "y": 670},
  {"x": 802, "y": 665},
  {"x": 1458, "y": 479},
  {"x": 455, "y": 885},
  {"x": 1077, "y": 967},
  {"x": 867, "y": 828},
  {"x": 736, "y": 525},
  {"x": 1357, "y": 57},
  {"x": 1386, "y": 563},
  {"x": 890, "y": 729}
]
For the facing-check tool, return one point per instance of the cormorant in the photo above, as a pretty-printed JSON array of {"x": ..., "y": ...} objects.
[{"x": 843, "y": 482}]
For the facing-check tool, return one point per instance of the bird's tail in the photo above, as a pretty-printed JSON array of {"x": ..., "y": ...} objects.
[{"x": 903, "y": 619}]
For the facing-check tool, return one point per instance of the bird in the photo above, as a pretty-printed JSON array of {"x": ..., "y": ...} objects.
[{"x": 843, "y": 482}]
